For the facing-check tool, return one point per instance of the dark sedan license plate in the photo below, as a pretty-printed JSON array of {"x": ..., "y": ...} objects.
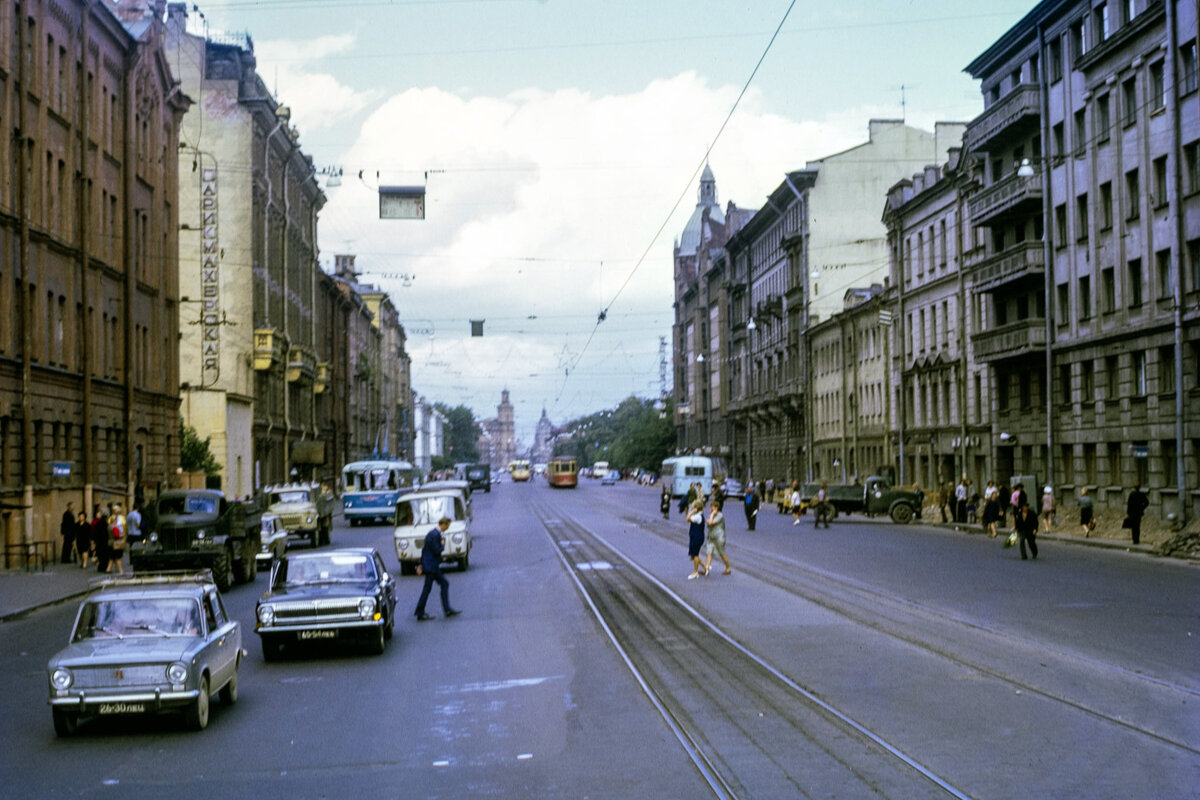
[
  {"x": 122, "y": 708},
  {"x": 324, "y": 634}
]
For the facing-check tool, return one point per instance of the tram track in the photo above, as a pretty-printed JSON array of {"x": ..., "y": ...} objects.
[
  {"x": 1149, "y": 707},
  {"x": 750, "y": 730}
]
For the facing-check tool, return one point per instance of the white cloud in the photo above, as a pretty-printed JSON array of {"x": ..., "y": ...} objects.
[
  {"x": 317, "y": 98},
  {"x": 539, "y": 204}
]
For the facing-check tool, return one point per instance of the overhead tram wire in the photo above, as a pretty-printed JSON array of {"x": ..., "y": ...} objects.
[{"x": 666, "y": 221}]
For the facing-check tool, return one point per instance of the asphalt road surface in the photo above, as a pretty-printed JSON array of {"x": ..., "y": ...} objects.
[{"x": 867, "y": 660}]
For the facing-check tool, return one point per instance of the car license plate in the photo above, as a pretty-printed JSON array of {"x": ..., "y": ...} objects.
[
  {"x": 323, "y": 634},
  {"x": 122, "y": 708}
]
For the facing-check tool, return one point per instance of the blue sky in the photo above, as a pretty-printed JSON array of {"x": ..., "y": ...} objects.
[{"x": 555, "y": 136}]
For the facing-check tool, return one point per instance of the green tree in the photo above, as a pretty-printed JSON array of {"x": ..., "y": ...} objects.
[
  {"x": 462, "y": 436},
  {"x": 631, "y": 436},
  {"x": 194, "y": 452}
]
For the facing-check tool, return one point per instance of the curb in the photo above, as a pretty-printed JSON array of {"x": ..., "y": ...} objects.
[
  {"x": 1106, "y": 544},
  {"x": 16, "y": 614}
]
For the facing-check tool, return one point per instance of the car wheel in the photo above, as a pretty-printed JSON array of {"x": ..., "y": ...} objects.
[
  {"x": 407, "y": 568},
  {"x": 229, "y": 692},
  {"x": 464, "y": 563},
  {"x": 390, "y": 628},
  {"x": 325, "y": 527},
  {"x": 222, "y": 571},
  {"x": 376, "y": 643},
  {"x": 65, "y": 722},
  {"x": 902, "y": 514},
  {"x": 196, "y": 716},
  {"x": 270, "y": 649}
]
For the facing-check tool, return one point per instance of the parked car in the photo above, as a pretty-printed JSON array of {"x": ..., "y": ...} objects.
[
  {"x": 327, "y": 596},
  {"x": 147, "y": 644},
  {"x": 418, "y": 512},
  {"x": 274, "y": 541}
]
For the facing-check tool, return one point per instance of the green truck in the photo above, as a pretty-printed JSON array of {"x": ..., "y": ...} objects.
[
  {"x": 874, "y": 498},
  {"x": 201, "y": 529}
]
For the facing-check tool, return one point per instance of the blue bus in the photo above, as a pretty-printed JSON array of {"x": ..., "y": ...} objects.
[{"x": 370, "y": 489}]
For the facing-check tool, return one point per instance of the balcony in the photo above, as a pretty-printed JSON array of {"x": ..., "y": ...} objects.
[
  {"x": 1011, "y": 117},
  {"x": 1010, "y": 197},
  {"x": 1015, "y": 340},
  {"x": 302, "y": 365},
  {"x": 1025, "y": 260},
  {"x": 322, "y": 379},
  {"x": 268, "y": 348}
]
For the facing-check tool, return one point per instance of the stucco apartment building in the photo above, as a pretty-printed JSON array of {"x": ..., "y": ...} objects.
[
  {"x": 88, "y": 280},
  {"x": 1086, "y": 183},
  {"x": 248, "y": 201}
]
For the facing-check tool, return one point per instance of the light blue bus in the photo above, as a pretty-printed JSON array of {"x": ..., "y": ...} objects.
[
  {"x": 680, "y": 472},
  {"x": 370, "y": 489}
]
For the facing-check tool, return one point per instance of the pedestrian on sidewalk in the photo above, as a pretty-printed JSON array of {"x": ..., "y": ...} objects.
[
  {"x": 1135, "y": 509},
  {"x": 945, "y": 505},
  {"x": 1085, "y": 512},
  {"x": 960, "y": 500},
  {"x": 1048, "y": 508},
  {"x": 695, "y": 537},
  {"x": 715, "y": 539},
  {"x": 664, "y": 502},
  {"x": 991, "y": 508},
  {"x": 431, "y": 568},
  {"x": 133, "y": 521},
  {"x": 117, "y": 539},
  {"x": 795, "y": 501},
  {"x": 99, "y": 533},
  {"x": 67, "y": 529},
  {"x": 751, "y": 505},
  {"x": 1003, "y": 498},
  {"x": 1025, "y": 522},
  {"x": 83, "y": 539}
]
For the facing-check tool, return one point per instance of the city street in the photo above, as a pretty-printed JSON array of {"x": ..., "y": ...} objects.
[{"x": 869, "y": 659}]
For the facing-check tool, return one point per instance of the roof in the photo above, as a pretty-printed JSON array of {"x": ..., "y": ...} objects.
[{"x": 695, "y": 232}]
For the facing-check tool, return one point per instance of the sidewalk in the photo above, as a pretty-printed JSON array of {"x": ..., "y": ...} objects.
[{"x": 22, "y": 592}]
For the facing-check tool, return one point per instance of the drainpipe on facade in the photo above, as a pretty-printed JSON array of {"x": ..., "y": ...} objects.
[
  {"x": 82, "y": 196},
  {"x": 1047, "y": 256},
  {"x": 128, "y": 159},
  {"x": 287, "y": 338},
  {"x": 1175, "y": 187},
  {"x": 962, "y": 337},
  {"x": 267, "y": 260},
  {"x": 24, "y": 301},
  {"x": 900, "y": 347}
]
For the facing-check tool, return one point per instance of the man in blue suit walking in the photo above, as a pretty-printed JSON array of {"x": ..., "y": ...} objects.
[{"x": 431, "y": 568}]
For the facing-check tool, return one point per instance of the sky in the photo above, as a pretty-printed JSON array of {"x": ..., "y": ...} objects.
[{"x": 560, "y": 144}]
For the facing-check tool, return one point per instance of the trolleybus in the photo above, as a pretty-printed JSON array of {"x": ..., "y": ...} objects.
[
  {"x": 371, "y": 489},
  {"x": 680, "y": 472}
]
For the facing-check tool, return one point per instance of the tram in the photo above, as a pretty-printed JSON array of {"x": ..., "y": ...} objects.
[
  {"x": 563, "y": 472},
  {"x": 519, "y": 470}
]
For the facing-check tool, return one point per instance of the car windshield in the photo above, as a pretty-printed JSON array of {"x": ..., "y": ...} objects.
[
  {"x": 426, "y": 510},
  {"x": 298, "y": 496},
  {"x": 155, "y": 616},
  {"x": 187, "y": 504},
  {"x": 335, "y": 568}
]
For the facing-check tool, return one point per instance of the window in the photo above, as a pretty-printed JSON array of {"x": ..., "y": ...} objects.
[
  {"x": 1162, "y": 263},
  {"x": 1189, "y": 79},
  {"x": 1054, "y": 60},
  {"x": 1064, "y": 383},
  {"x": 1087, "y": 381},
  {"x": 1130, "y": 10},
  {"x": 1166, "y": 369},
  {"x": 1064, "y": 304},
  {"x": 1014, "y": 78},
  {"x": 1129, "y": 102},
  {"x": 1133, "y": 195},
  {"x": 1158, "y": 87},
  {"x": 1138, "y": 362},
  {"x": 1058, "y": 137},
  {"x": 1110, "y": 290},
  {"x": 1077, "y": 37},
  {"x": 1002, "y": 391},
  {"x": 1193, "y": 255},
  {"x": 1080, "y": 131},
  {"x": 1106, "y": 206},
  {"x": 1025, "y": 387},
  {"x": 1081, "y": 211},
  {"x": 1160, "y": 181},
  {"x": 1060, "y": 225},
  {"x": 1085, "y": 297},
  {"x": 1112, "y": 377},
  {"x": 1134, "y": 271},
  {"x": 1114, "y": 464},
  {"x": 1191, "y": 168},
  {"x": 1103, "y": 119},
  {"x": 1100, "y": 30}
]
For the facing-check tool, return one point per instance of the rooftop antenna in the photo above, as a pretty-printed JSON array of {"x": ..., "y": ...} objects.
[{"x": 903, "y": 105}]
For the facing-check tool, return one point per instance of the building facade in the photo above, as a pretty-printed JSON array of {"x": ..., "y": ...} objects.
[
  {"x": 1088, "y": 190},
  {"x": 498, "y": 438},
  {"x": 89, "y": 279}
]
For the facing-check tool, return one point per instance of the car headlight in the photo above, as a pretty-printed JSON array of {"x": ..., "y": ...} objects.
[
  {"x": 200, "y": 534},
  {"x": 154, "y": 536},
  {"x": 266, "y": 615},
  {"x": 402, "y": 544},
  {"x": 308, "y": 519},
  {"x": 177, "y": 672},
  {"x": 366, "y": 607},
  {"x": 61, "y": 678},
  {"x": 457, "y": 538}
]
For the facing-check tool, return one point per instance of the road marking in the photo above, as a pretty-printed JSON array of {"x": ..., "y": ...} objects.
[
  {"x": 524, "y": 756},
  {"x": 593, "y": 565},
  {"x": 441, "y": 763},
  {"x": 496, "y": 686}
]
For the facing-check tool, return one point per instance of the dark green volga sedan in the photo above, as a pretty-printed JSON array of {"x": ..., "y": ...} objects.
[{"x": 147, "y": 644}]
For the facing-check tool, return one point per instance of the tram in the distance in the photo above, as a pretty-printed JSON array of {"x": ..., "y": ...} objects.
[
  {"x": 519, "y": 470},
  {"x": 563, "y": 472}
]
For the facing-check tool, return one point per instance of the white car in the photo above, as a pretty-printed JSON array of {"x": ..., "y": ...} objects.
[{"x": 418, "y": 512}]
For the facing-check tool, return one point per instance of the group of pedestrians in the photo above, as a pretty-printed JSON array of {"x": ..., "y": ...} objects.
[
  {"x": 706, "y": 533},
  {"x": 101, "y": 540}
]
